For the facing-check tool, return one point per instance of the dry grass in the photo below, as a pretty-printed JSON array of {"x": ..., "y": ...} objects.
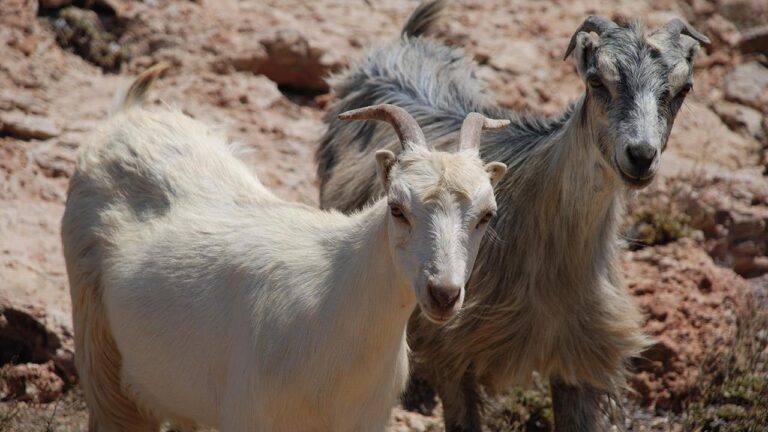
[
  {"x": 666, "y": 211},
  {"x": 68, "y": 414},
  {"x": 733, "y": 392}
]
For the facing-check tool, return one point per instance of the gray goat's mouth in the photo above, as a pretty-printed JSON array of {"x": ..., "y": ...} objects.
[
  {"x": 438, "y": 318},
  {"x": 631, "y": 181},
  {"x": 438, "y": 315}
]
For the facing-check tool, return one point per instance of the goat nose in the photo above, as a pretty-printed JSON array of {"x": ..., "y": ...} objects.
[
  {"x": 444, "y": 296},
  {"x": 641, "y": 155}
]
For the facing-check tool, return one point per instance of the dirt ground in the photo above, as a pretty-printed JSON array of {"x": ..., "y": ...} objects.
[{"x": 697, "y": 238}]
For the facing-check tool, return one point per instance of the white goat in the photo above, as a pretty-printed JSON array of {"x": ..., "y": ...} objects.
[{"x": 201, "y": 298}]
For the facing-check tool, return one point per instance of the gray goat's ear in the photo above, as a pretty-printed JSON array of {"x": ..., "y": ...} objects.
[
  {"x": 690, "y": 47},
  {"x": 584, "y": 47},
  {"x": 385, "y": 160}
]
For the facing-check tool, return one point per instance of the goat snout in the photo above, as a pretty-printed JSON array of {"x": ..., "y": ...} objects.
[
  {"x": 641, "y": 156},
  {"x": 444, "y": 296}
]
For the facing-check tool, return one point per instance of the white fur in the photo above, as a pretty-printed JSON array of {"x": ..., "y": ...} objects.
[{"x": 201, "y": 298}]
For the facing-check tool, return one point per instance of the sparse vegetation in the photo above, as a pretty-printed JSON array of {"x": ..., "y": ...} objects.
[
  {"x": 664, "y": 213},
  {"x": 523, "y": 409},
  {"x": 733, "y": 393},
  {"x": 659, "y": 226},
  {"x": 82, "y": 31}
]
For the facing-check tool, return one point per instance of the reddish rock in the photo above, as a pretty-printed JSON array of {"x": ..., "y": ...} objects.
[
  {"x": 30, "y": 382},
  {"x": 19, "y": 13},
  {"x": 748, "y": 84},
  {"x": 744, "y": 13},
  {"x": 754, "y": 40},
  {"x": 740, "y": 117},
  {"x": 289, "y": 59},
  {"x": 684, "y": 282},
  {"x": 722, "y": 32},
  {"x": 27, "y": 126}
]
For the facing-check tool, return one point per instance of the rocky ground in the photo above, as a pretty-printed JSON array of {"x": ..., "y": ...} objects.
[{"x": 697, "y": 239}]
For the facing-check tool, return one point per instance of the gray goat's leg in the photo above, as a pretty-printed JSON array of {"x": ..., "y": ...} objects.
[
  {"x": 462, "y": 403},
  {"x": 576, "y": 408},
  {"x": 419, "y": 396}
]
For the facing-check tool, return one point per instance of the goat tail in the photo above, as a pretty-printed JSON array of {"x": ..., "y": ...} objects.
[
  {"x": 422, "y": 19},
  {"x": 137, "y": 92}
]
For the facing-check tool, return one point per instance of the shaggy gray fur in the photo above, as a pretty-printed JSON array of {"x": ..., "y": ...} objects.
[{"x": 545, "y": 294}]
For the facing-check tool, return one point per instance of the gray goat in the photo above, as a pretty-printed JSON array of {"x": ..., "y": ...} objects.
[{"x": 545, "y": 296}]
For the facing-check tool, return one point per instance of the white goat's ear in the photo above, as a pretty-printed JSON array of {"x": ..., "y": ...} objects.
[
  {"x": 496, "y": 171},
  {"x": 585, "y": 46},
  {"x": 385, "y": 159}
]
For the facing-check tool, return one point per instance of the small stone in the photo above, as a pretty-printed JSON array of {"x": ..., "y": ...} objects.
[
  {"x": 754, "y": 40},
  {"x": 722, "y": 31},
  {"x": 748, "y": 84},
  {"x": 703, "y": 7},
  {"x": 27, "y": 126},
  {"x": 31, "y": 382},
  {"x": 741, "y": 117}
]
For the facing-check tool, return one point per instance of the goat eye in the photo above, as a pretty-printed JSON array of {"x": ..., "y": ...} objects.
[
  {"x": 397, "y": 213},
  {"x": 486, "y": 218},
  {"x": 595, "y": 82},
  {"x": 683, "y": 92}
]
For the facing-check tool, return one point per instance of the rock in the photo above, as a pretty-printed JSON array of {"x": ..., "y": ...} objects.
[
  {"x": 748, "y": 84},
  {"x": 30, "y": 382},
  {"x": 64, "y": 360},
  {"x": 23, "y": 335},
  {"x": 290, "y": 60},
  {"x": 721, "y": 31},
  {"x": 55, "y": 162},
  {"x": 27, "y": 126},
  {"x": 82, "y": 31},
  {"x": 680, "y": 289},
  {"x": 16, "y": 100},
  {"x": 700, "y": 135},
  {"x": 54, "y": 4},
  {"x": 744, "y": 13},
  {"x": 754, "y": 40},
  {"x": 405, "y": 421},
  {"x": 730, "y": 211},
  {"x": 740, "y": 117},
  {"x": 702, "y": 7},
  {"x": 19, "y": 13}
]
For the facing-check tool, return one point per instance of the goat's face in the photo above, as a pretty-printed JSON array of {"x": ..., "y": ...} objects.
[
  {"x": 440, "y": 205},
  {"x": 635, "y": 87}
]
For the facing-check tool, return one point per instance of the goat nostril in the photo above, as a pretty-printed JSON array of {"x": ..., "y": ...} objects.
[
  {"x": 445, "y": 297},
  {"x": 641, "y": 155}
]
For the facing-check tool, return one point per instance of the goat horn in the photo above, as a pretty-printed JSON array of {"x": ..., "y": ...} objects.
[
  {"x": 676, "y": 26},
  {"x": 593, "y": 23},
  {"x": 406, "y": 127},
  {"x": 469, "y": 137}
]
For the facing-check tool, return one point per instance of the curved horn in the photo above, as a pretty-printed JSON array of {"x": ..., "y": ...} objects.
[
  {"x": 675, "y": 27},
  {"x": 469, "y": 137},
  {"x": 406, "y": 128},
  {"x": 593, "y": 23}
]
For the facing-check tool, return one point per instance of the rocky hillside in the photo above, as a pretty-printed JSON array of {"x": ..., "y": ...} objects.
[{"x": 697, "y": 239}]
